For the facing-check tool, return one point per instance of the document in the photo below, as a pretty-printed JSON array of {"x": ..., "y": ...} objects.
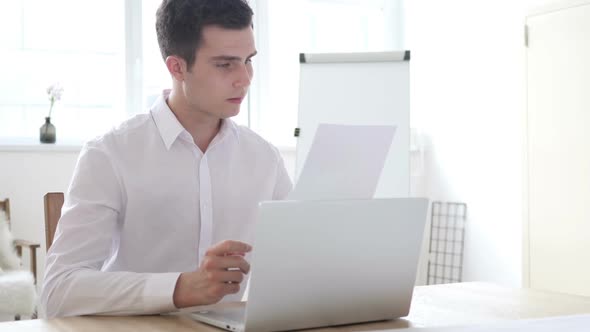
[
  {"x": 344, "y": 162},
  {"x": 578, "y": 323}
]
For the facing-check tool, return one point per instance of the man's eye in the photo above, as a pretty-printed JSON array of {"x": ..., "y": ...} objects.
[
  {"x": 249, "y": 61},
  {"x": 223, "y": 65}
]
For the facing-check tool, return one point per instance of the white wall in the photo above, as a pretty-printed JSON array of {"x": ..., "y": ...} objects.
[
  {"x": 25, "y": 177},
  {"x": 468, "y": 98}
]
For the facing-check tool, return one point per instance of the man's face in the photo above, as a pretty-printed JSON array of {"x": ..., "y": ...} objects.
[{"x": 219, "y": 79}]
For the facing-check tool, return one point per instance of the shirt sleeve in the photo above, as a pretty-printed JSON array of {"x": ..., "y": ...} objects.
[
  {"x": 85, "y": 238},
  {"x": 283, "y": 184}
]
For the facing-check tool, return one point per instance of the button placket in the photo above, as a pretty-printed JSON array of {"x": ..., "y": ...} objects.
[{"x": 205, "y": 236}]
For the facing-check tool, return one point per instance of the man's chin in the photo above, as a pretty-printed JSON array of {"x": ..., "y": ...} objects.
[{"x": 230, "y": 114}]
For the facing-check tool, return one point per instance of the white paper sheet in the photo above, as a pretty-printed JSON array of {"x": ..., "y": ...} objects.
[
  {"x": 578, "y": 323},
  {"x": 344, "y": 162}
]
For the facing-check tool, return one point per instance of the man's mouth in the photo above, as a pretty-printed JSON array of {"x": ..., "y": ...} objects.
[{"x": 237, "y": 100}]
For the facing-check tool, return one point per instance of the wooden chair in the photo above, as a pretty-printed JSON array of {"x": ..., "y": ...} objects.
[
  {"x": 53, "y": 204},
  {"x": 19, "y": 244}
]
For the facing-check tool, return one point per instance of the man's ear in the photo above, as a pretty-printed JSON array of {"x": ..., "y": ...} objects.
[{"x": 176, "y": 66}]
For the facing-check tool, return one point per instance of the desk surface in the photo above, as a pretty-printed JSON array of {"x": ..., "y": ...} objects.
[{"x": 440, "y": 305}]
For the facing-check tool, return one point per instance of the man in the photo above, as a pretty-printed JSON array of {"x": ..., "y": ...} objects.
[{"x": 160, "y": 212}]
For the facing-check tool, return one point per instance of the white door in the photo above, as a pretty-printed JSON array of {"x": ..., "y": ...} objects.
[{"x": 558, "y": 88}]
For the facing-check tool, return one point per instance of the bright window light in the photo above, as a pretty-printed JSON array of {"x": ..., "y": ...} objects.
[{"x": 106, "y": 56}]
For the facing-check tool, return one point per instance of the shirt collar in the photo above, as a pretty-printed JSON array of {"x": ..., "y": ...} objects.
[
  {"x": 228, "y": 127},
  {"x": 170, "y": 128}
]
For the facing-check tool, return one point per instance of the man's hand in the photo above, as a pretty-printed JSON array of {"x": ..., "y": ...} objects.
[{"x": 221, "y": 272}]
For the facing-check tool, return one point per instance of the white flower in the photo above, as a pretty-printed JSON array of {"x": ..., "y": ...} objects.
[{"x": 55, "y": 91}]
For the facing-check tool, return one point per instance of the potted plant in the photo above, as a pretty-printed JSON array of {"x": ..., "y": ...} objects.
[{"x": 47, "y": 130}]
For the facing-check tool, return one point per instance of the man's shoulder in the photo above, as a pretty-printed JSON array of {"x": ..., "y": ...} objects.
[
  {"x": 124, "y": 132},
  {"x": 253, "y": 141}
]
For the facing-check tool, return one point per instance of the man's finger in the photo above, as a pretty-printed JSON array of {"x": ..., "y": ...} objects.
[
  {"x": 228, "y": 263},
  {"x": 231, "y": 288},
  {"x": 234, "y": 263},
  {"x": 228, "y": 247},
  {"x": 231, "y": 276}
]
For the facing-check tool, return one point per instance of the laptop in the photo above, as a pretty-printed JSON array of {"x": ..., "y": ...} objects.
[{"x": 325, "y": 263}]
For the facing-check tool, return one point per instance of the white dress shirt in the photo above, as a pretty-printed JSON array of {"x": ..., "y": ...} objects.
[{"x": 145, "y": 203}]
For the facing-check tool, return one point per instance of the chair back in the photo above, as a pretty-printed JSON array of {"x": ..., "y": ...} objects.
[{"x": 53, "y": 204}]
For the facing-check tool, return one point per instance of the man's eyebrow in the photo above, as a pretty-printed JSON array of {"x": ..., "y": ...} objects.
[{"x": 231, "y": 57}]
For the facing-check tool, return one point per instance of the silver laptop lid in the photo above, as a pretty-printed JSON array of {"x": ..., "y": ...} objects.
[{"x": 321, "y": 263}]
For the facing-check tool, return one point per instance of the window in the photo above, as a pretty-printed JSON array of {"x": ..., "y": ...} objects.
[
  {"x": 155, "y": 75},
  {"x": 106, "y": 56},
  {"x": 63, "y": 41}
]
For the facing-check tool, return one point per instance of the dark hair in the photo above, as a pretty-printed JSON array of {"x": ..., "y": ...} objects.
[{"x": 179, "y": 23}]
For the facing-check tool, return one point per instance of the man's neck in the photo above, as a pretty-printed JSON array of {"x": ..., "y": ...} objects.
[{"x": 202, "y": 127}]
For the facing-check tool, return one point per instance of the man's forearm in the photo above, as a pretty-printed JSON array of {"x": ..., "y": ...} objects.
[{"x": 89, "y": 292}]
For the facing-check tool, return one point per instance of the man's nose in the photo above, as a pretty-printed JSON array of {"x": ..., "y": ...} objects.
[{"x": 244, "y": 77}]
